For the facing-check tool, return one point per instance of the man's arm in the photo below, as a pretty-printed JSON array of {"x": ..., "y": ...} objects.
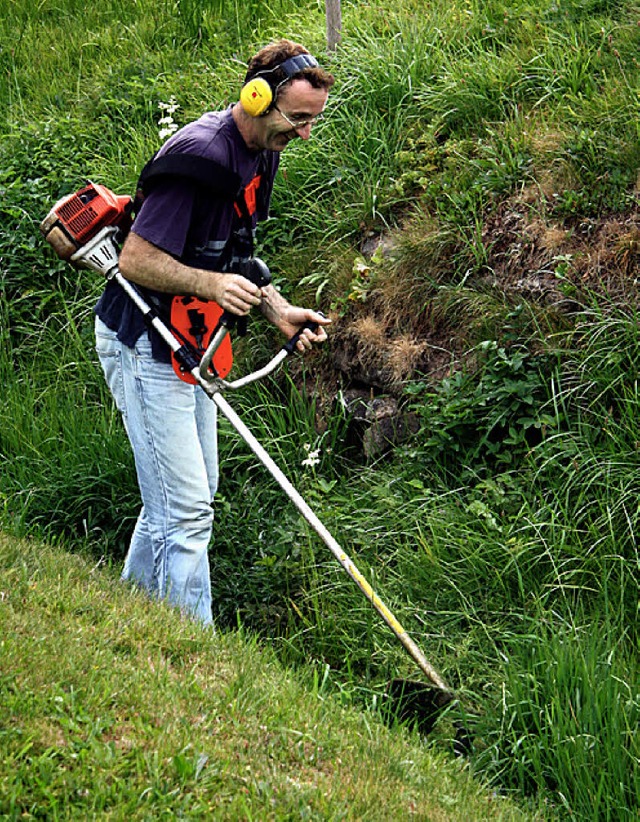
[{"x": 147, "y": 265}]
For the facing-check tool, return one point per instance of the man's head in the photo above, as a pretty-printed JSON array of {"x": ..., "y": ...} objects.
[{"x": 284, "y": 94}]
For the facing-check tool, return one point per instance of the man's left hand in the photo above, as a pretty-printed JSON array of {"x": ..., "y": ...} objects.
[{"x": 291, "y": 320}]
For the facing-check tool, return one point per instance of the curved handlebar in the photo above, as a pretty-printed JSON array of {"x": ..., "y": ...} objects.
[
  {"x": 256, "y": 271},
  {"x": 216, "y": 384}
]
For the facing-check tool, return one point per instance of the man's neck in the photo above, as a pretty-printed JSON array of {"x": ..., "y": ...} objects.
[{"x": 246, "y": 126}]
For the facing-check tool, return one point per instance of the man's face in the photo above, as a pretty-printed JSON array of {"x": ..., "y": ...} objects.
[{"x": 296, "y": 109}]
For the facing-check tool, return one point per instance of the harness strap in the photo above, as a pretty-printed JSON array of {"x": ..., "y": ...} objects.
[
  {"x": 196, "y": 320},
  {"x": 202, "y": 170}
]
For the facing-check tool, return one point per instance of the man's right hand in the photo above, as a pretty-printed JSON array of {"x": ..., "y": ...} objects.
[
  {"x": 234, "y": 293},
  {"x": 149, "y": 266}
]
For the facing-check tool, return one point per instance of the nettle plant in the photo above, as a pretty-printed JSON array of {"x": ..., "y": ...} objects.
[{"x": 494, "y": 411}]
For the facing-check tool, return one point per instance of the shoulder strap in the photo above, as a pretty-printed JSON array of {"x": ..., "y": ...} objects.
[{"x": 205, "y": 172}]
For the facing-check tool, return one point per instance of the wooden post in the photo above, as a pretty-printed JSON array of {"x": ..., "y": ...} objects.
[{"x": 334, "y": 23}]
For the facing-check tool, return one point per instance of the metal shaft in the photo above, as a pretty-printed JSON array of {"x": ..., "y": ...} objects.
[{"x": 413, "y": 650}]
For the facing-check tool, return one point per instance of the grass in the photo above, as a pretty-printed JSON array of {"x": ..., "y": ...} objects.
[
  {"x": 116, "y": 707},
  {"x": 566, "y": 701}
]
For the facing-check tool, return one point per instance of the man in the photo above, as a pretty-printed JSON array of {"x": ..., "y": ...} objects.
[{"x": 189, "y": 239}]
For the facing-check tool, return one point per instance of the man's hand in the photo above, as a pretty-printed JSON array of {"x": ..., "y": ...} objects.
[
  {"x": 295, "y": 317},
  {"x": 234, "y": 293},
  {"x": 289, "y": 318}
]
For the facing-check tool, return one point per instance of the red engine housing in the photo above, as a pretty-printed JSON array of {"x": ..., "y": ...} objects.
[{"x": 78, "y": 217}]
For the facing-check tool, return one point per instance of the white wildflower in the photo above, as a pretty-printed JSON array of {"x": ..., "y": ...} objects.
[
  {"x": 168, "y": 126},
  {"x": 313, "y": 457}
]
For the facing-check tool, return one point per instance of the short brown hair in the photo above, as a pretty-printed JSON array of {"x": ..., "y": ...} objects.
[{"x": 274, "y": 54}]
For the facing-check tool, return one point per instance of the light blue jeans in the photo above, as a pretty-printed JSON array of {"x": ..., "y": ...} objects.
[{"x": 172, "y": 429}]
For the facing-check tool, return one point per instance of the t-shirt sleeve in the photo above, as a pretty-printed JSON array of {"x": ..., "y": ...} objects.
[{"x": 165, "y": 215}]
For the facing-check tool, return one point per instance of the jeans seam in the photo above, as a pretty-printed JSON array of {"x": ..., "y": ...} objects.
[{"x": 160, "y": 573}]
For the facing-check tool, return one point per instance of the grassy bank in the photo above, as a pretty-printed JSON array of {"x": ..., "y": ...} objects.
[{"x": 114, "y": 707}]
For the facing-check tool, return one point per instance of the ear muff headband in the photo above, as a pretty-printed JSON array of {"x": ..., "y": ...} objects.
[{"x": 258, "y": 94}]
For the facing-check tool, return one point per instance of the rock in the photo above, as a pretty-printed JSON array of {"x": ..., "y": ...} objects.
[{"x": 377, "y": 424}]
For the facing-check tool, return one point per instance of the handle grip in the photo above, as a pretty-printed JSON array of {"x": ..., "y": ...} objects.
[
  {"x": 256, "y": 271},
  {"x": 290, "y": 345}
]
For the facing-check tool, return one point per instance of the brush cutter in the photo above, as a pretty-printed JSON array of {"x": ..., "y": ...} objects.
[{"x": 98, "y": 250}]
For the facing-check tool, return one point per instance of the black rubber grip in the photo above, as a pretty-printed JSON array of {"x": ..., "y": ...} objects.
[
  {"x": 290, "y": 345},
  {"x": 256, "y": 271}
]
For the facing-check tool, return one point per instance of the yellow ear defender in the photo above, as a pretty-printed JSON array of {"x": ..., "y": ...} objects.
[{"x": 257, "y": 95}]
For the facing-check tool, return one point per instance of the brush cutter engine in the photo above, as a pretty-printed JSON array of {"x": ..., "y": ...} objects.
[{"x": 80, "y": 217}]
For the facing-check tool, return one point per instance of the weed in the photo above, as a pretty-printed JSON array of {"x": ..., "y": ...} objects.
[{"x": 494, "y": 413}]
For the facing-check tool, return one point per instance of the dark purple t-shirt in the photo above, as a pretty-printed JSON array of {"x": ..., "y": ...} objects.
[{"x": 190, "y": 221}]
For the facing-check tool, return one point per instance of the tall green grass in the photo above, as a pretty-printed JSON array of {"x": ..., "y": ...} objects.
[
  {"x": 67, "y": 471},
  {"x": 569, "y": 706}
]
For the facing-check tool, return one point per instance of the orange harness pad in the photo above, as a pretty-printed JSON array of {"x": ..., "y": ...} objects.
[{"x": 196, "y": 320}]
